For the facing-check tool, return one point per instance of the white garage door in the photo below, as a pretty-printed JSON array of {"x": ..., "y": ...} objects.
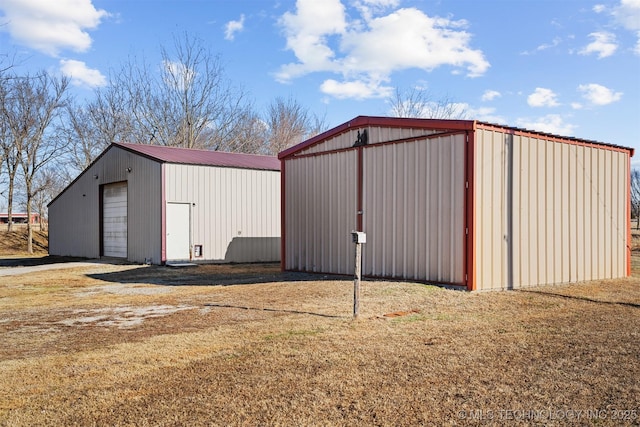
[
  {"x": 114, "y": 220},
  {"x": 178, "y": 231}
]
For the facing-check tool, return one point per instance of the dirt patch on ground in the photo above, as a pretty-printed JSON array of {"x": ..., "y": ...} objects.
[{"x": 247, "y": 345}]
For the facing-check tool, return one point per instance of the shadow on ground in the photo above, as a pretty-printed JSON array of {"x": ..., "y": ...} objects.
[
  {"x": 211, "y": 275},
  {"x": 577, "y": 297},
  {"x": 36, "y": 260},
  {"x": 273, "y": 310}
]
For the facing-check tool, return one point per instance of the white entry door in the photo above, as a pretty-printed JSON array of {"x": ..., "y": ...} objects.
[
  {"x": 178, "y": 231},
  {"x": 114, "y": 220}
]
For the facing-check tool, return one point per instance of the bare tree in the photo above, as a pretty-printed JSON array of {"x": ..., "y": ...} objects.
[
  {"x": 188, "y": 103},
  {"x": 32, "y": 104},
  {"x": 48, "y": 184},
  {"x": 9, "y": 147},
  {"x": 91, "y": 127},
  {"x": 635, "y": 195},
  {"x": 419, "y": 103},
  {"x": 289, "y": 123},
  {"x": 249, "y": 135}
]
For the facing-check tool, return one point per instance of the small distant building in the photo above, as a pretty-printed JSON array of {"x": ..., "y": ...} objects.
[
  {"x": 19, "y": 218},
  {"x": 156, "y": 204},
  {"x": 458, "y": 202}
]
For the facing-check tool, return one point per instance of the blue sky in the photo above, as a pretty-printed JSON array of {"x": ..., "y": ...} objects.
[{"x": 569, "y": 67}]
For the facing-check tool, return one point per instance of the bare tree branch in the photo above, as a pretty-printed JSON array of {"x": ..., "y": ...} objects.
[
  {"x": 289, "y": 123},
  {"x": 32, "y": 102},
  {"x": 635, "y": 194},
  {"x": 419, "y": 103},
  {"x": 189, "y": 103}
]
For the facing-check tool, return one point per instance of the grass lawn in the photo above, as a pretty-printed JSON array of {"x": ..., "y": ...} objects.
[{"x": 246, "y": 345}]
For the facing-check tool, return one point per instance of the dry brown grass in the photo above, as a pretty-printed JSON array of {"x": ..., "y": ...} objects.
[
  {"x": 246, "y": 345},
  {"x": 14, "y": 243}
]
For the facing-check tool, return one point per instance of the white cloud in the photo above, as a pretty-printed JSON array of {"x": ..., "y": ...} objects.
[
  {"x": 233, "y": 27},
  {"x": 554, "y": 43},
  {"x": 51, "y": 26},
  {"x": 604, "y": 44},
  {"x": 599, "y": 95},
  {"x": 81, "y": 75},
  {"x": 551, "y": 123},
  {"x": 628, "y": 14},
  {"x": 599, "y": 8},
  {"x": 542, "y": 97},
  {"x": 356, "y": 89},
  {"x": 369, "y": 8},
  {"x": 490, "y": 95},
  {"x": 324, "y": 38},
  {"x": 307, "y": 32},
  {"x": 408, "y": 38},
  {"x": 485, "y": 114},
  {"x": 178, "y": 75}
]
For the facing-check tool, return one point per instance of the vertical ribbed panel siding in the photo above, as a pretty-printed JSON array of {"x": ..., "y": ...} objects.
[
  {"x": 414, "y": 209},
  {"x": 547, "y": 212},
  {"x": 74, "y": 222},
  {"x": 235, "y": 212},
  {"x": 386, "y": 134},
  {"x": 376, "y": 134},
  {"x": 344, "y": 140},
  {"x": 321, "y": 212},
  {"x": 144, "y": 204},
  {"x": 491, "y": 157}
]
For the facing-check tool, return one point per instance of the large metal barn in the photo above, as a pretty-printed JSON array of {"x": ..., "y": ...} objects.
[
  {"x": 457, "y": 202},
  {"x": 155, "y": 204}
]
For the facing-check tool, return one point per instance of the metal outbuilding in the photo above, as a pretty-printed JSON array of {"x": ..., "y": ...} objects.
[
  {"x": 457, "y": 202},
  {"x": 156, "y": 204}
]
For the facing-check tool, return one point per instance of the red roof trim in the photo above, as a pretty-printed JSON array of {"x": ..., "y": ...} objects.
[
  {"x": 435, "y": 124},
  {"x": 552, "y": 137},
  {"x": 190, "y": 156},
  {"x": 362, "y": 121}
]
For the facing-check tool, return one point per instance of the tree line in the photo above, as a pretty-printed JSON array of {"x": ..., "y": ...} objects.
[{"x": 47, "y": 137}]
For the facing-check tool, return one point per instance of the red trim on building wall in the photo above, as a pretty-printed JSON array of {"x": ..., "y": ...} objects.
[
  {"x": 435, "y": 124},
  {"x": 283, "y": 222},
  {"x": 629, "y": 216},
  {"x": 163, "y": 216},
  {"x": 470, "y": 258},
  {"x": 554, "y": 138},
  {"x": 390, "y": 122},
  {"x": 376, "y": 144}
]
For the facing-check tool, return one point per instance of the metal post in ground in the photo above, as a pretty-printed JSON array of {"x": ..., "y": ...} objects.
[{"x": 358, "y": 238}]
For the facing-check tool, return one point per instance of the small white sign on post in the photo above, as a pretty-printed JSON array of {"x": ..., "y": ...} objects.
[{"x": 359, "y": 238}]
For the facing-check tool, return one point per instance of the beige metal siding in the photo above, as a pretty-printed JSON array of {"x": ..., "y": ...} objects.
[
  {"x": 321, "y": 207},
  {"x": 414, "y": 209},
  {"x": 375, "y": 134},
  {"x": 547, "y": 211},
  {"x": 75, "y": 215},
  {"x": 235, "y": 212},
  {"x": 145, "y": 202},
  {"x": 74, "y": 228}
]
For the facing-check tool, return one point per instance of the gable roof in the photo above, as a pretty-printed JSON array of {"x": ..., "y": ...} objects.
[
  {"x": 433, "y": 124},
  {"x": 187, "y": 156}
]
